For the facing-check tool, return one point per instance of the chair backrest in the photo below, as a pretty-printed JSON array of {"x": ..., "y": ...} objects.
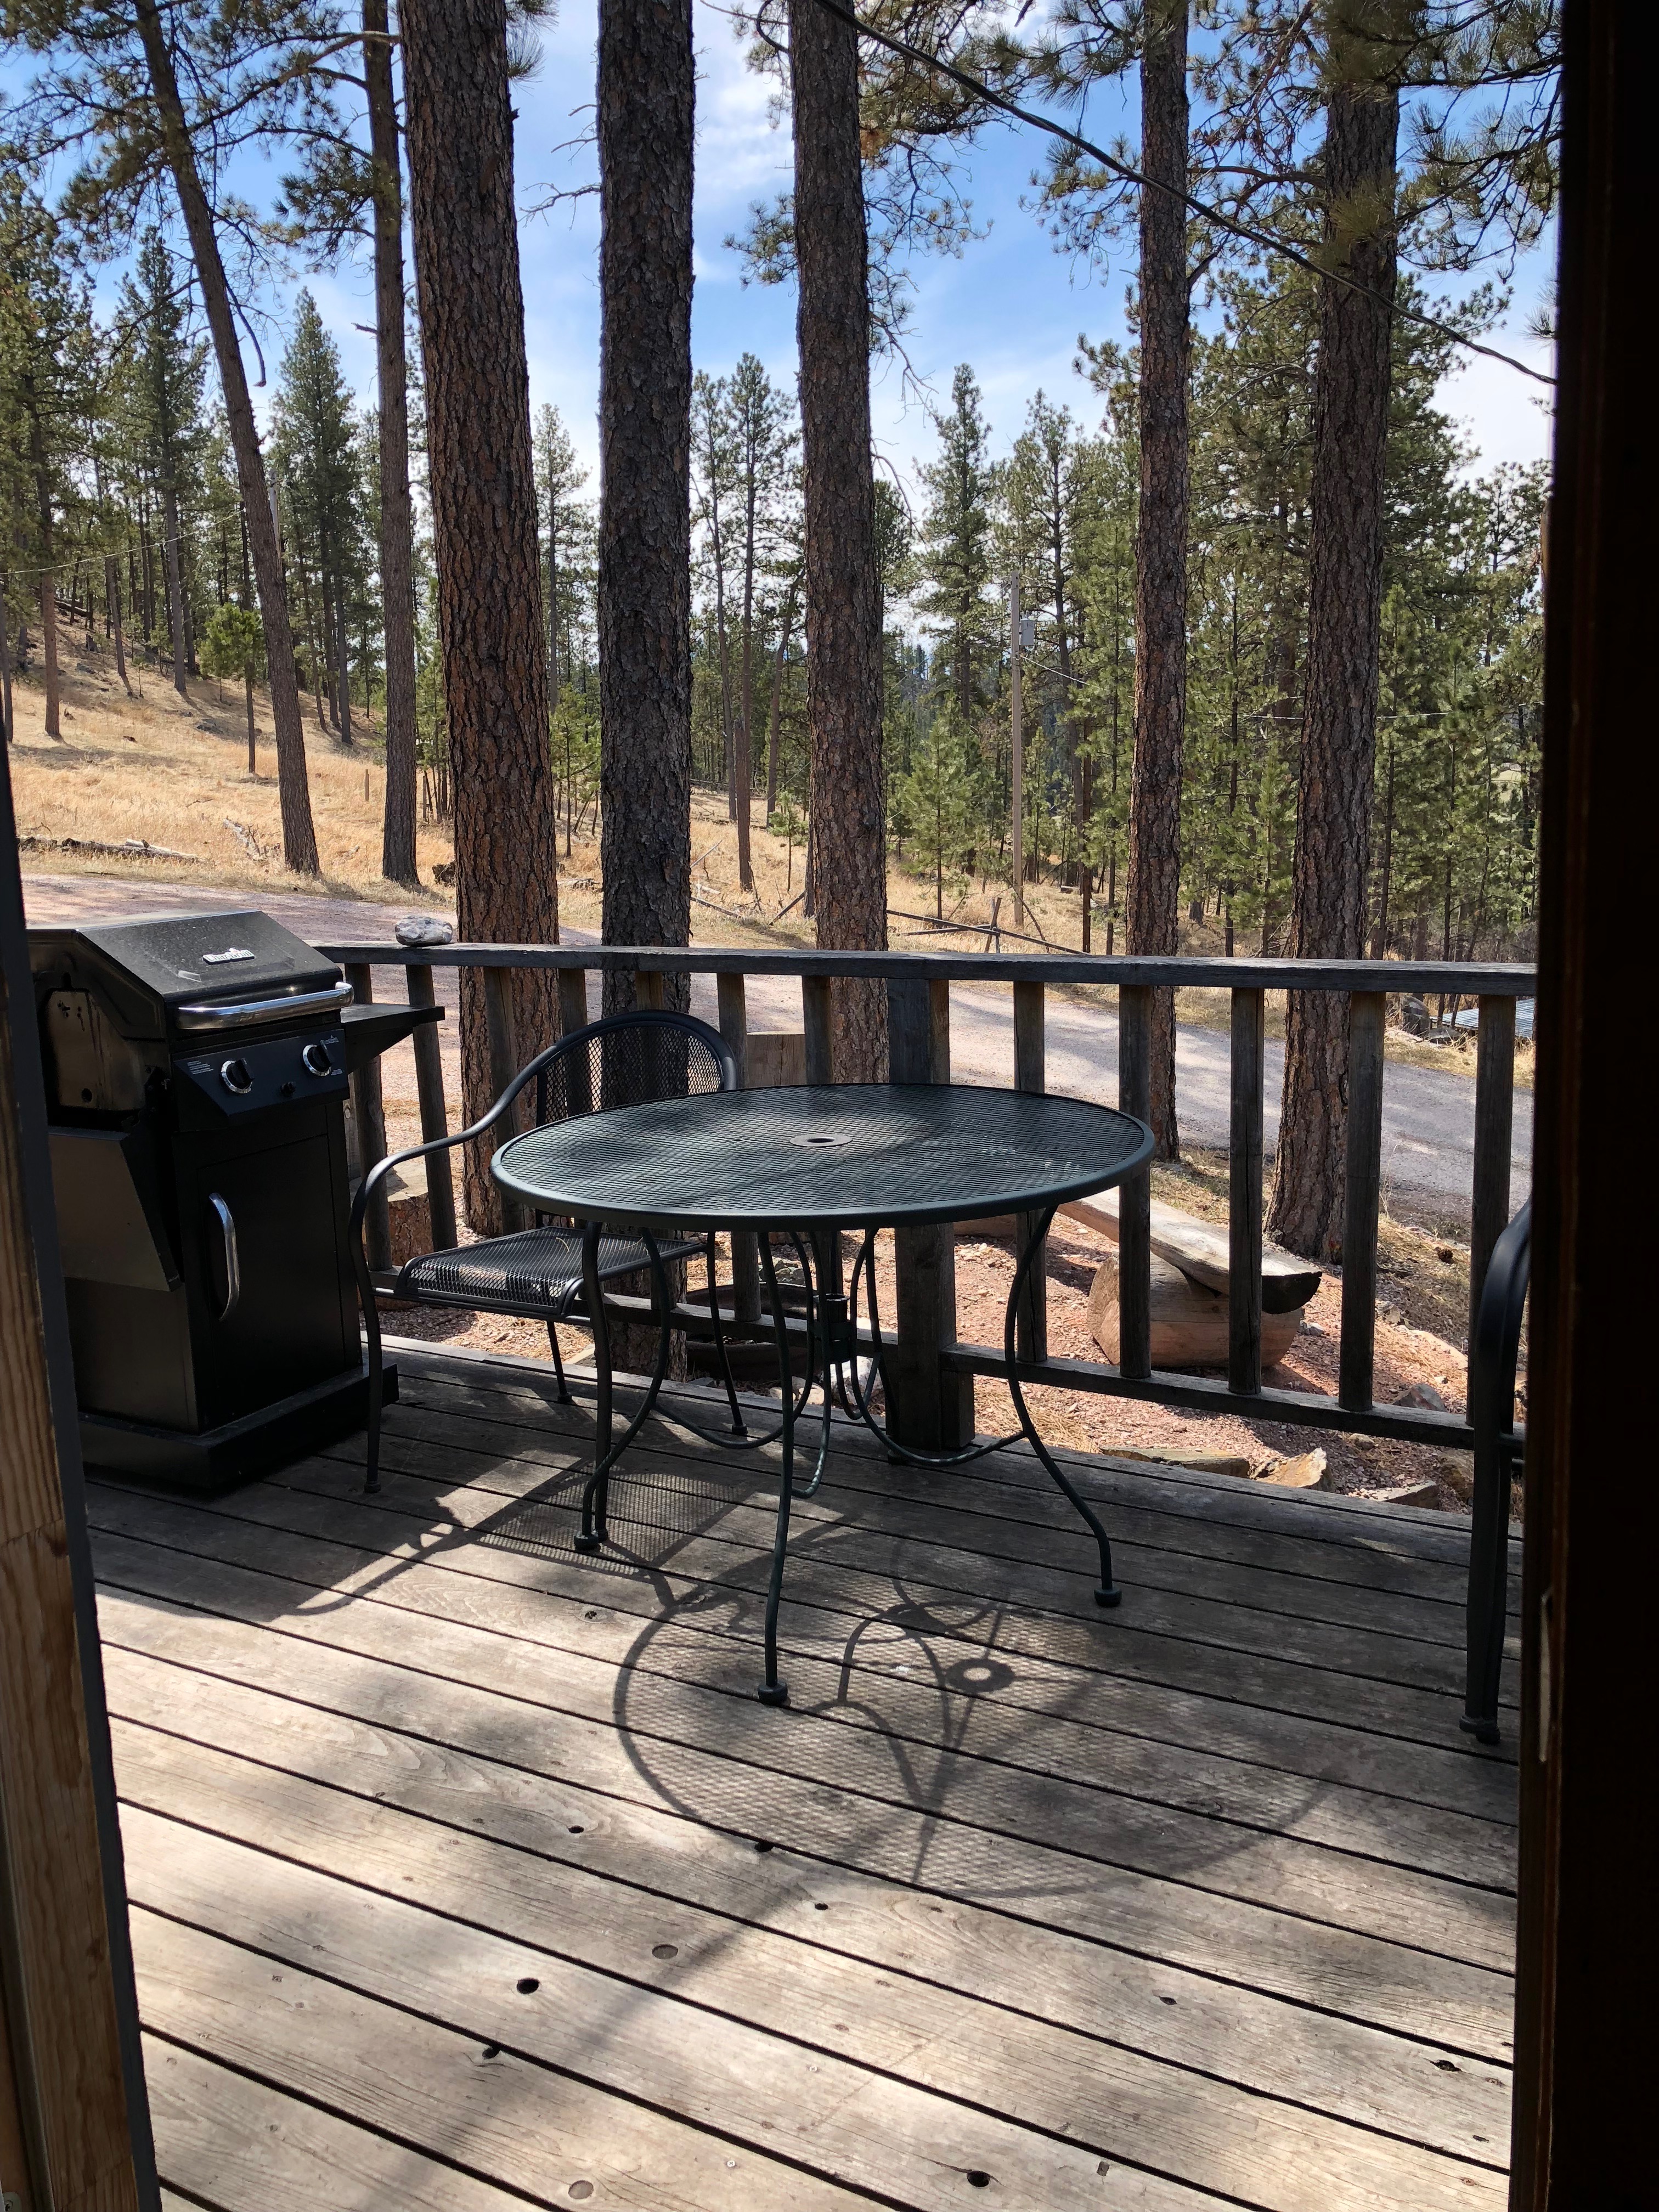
[
  {"x": 1495, "y": 1352},
  {"x": 629, "y": 1060}
]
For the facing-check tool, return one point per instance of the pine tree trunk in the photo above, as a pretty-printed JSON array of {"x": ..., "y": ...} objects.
[
  {"x": 1331, "y": 868},
  {"x": 343, "y": 651},
  {"x": 48, "y": 585},
  {"x": 299, "y": 837},
  {"x": 773, "y": 745},
  {"x": 485, "y": 533},
  {"x": 175, "y": 587},
  {"x": 112, "y": 598},
  {"x": 745, "y": 743},
  {"x": 847, "y": 867},
  {"x": 645, "y": 96},
  {"x": 397, "y": 514},
  {"x": 1153, "y": 901}
]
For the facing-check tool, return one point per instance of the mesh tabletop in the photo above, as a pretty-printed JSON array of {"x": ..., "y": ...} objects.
[{"x": 827, "y": 1156}]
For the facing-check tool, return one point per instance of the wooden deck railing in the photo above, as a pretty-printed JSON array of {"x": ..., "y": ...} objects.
[{"x": 930, "y": 1393}]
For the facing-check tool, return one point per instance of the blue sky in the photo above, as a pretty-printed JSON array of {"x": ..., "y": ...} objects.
[{"x": 1012, "y": 306}]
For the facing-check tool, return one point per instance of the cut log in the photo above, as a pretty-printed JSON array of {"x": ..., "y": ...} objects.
[
  {"x": 1189, "y": 1323},
  {"x": 1200, "y": 1250}
]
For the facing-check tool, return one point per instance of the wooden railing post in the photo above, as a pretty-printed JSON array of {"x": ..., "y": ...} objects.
[
  {"x": 435, "y": 1113},
  {"x": 1367, "y": 1014},
  {"x": 647, "y": 989},
  {"x": 367, "y": 1112},
  {"x": 1134, "y": 1233},
  {"x": 1494, "y": 1131},
  {"x": 1245, "y": 1193},
  {"x": 745, "y": 1256},
  {"x": 1031, "y": 1074}
]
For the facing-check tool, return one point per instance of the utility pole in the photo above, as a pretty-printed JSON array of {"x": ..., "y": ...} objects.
[{"x": 1018, "y": 768}]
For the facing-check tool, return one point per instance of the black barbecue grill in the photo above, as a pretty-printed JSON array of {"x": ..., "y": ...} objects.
[{"x": 197, "y": 1068}]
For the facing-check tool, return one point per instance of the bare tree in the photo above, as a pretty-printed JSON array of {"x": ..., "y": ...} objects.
[
  {"x": 464, "y": 221},
  {"x": 646, "y": 83},
  {"x": 842, "y": 593}
]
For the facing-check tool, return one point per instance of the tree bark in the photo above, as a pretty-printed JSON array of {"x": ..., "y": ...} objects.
[
  {"x": 299, "y": 835},
  {"x": 645, "y": 96},
  {"x": 1152, "y": 900},
  {"x": 1331, "y": 865},
  {"x": 397, "y": 515},
  {"x": 485, "y": 519},
  {"x": 847, "y": 867}
]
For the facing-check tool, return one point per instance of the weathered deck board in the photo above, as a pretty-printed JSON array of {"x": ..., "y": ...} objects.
[{"x": 1012, "y": 1906}]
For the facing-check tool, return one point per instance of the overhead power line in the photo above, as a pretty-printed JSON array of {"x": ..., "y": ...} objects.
[{"x": 1202, "y": 209}]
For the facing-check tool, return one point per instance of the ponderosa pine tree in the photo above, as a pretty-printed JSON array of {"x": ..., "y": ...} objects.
[
  {"x": 763, "y": 434},
  {"x": 842, "y": 593},
  {"x": 482, "y": 477},
  {"x": 1331, "y": 882},
  {"x": 46, "y": 353},
  {"x": 165, "y": 369},
  {"x": 647, "y": 86},
  {"x": 956, "y": 553},
  {"x": 397, "y": 518}
]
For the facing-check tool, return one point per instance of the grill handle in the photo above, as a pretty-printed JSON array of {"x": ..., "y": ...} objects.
[
  {"x": 241, "y": 1014},
  {"x": 232, "y": 1262}
]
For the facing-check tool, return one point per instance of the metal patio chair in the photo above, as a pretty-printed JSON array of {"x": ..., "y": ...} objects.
[
  {"x": 1493, "y": 1357},
  {"x": 554, "y": 1273}
]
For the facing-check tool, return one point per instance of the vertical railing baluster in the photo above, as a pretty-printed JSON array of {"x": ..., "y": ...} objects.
[
  {"x": 733, "y": 997},
  {"x": 503, "y": 1066},
  {"x": 370, "y": 1118},
  {"x": 1031, "y": 1074},
  {"x": 1134, "y": 1234},
  {"x": 1244, "y": 1193},
  {"x": 648, "y": 989},
  {"x": 1367, "y": 1014},
  {"x": 816, "y": 1023},
  {"x": 1494, "y": 1130},
  {"x": 434, "y": 1111},
  {"x": 573, "y": 1017}
]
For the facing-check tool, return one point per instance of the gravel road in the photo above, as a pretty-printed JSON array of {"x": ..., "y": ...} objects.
[{"x": 1428, "y": 1117}]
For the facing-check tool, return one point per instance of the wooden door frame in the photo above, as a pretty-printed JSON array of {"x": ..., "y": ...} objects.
[
  {"x": 73, "y": 2089},
  {"x": 1587, "y": 2047}
]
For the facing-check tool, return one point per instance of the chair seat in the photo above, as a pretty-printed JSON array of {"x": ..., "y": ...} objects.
[{"x": 539, "y": 1271}]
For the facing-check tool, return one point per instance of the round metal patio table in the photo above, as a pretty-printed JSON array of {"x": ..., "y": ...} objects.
[{"x": 824, "y": 1159}]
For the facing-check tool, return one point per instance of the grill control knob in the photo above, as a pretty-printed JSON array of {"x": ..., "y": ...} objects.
[
  {"x": 316, "y": 1062},
  {"x": 237, "y": 1076}
]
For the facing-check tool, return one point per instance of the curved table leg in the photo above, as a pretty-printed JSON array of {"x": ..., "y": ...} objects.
[
  {"x": 1107, "y": 1593},
  {"x": 592, "y": 1536}
]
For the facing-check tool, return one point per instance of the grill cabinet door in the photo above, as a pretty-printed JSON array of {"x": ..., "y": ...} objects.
[{"x": 287, "y": 1328}]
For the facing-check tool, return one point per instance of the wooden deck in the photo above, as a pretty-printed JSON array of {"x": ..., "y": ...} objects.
[{"x": 468, "y": 1874}]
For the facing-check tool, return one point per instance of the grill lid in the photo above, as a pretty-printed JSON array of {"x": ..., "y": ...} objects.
[{"x": 146, "y": 972}]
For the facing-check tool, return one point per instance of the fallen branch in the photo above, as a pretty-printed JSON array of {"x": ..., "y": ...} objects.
[
  {"x": 130, "y": 849},
  {"x": 250, "y": 842}
]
